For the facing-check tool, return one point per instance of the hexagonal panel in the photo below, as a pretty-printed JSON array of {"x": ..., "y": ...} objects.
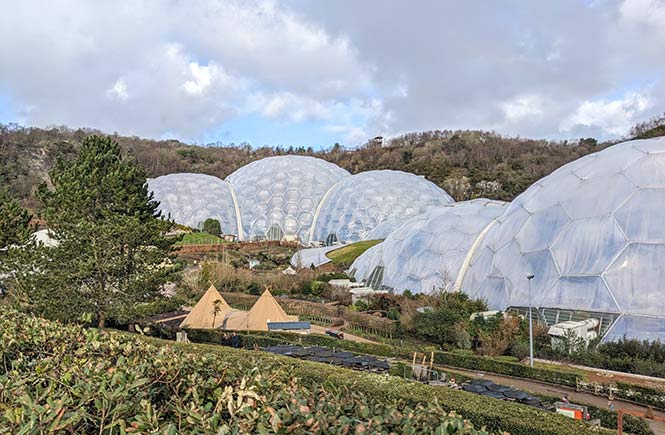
[
  {"x": 430, "y": 248},
  {"x": 580, "y": 293},
  {"x": 282, "y": 187},
  {"x": 190, "y": 199},
  {"x": 588, "y": 246},
  {"x": 541, "y": 229},
  {"x": 642, "y": 217},
  {"x": 598, "y": 196},
  {"x": 365, "y": 200},
  {"x": 649, "y": 171},
  {"x": 636, "y": 279}
]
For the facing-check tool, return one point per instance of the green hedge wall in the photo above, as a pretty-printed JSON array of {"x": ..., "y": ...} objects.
[
  {"x": 637, "y": 394},
  {"x": 494, "y": 415},
  {"x": 491, "y": 365},
  {"x": 642, "y": 395},
  {"x": 263, "y": 339}
]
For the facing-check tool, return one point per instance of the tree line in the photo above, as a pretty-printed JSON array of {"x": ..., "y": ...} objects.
[{"x": 467, "y": 163}]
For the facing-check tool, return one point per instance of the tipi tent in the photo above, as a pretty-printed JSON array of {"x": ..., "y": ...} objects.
[
  {"x": 265, "y": 309},
  {"x": 203, "y": 315}
]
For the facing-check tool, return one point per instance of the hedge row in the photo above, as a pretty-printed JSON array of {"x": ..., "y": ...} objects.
[
  {"x": 494, "y": 415},
  {"x": 262, "y": 339},
  {"x": 634, "y": 393},
  {"x": 633, "y": 425},
  {"x": 63, "y": 379},
  {"x": 641, "y": 395},
  {"x": 515, "y": 369},
  {"x": 66, "y": 379}
]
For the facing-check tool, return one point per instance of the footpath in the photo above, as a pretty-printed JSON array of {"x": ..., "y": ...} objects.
[{"x": 558, "y": 391}]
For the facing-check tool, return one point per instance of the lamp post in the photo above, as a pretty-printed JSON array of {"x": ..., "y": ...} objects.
[{"x": 529, "y": 277}]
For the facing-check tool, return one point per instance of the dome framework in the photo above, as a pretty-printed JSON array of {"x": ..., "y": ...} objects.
[
  {"x": 427, "y": 252},
  {"x": 278, "y": 196},
  {"x": 189, "y": 199},
  {"x": 359, "y": 203},
  {"x": 593, "y": 234}
]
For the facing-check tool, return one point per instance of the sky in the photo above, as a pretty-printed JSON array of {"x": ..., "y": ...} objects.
[{"x": 312, "y": 73}]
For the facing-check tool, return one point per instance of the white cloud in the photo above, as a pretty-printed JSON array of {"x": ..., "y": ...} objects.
[
  {"x": 192, "y": 68},
  {"x": 357, "y": 69},
  {"x": 118, "y": 90},
  {"x": 522, "y": 107},
  {"x": 614, "y": 116}
]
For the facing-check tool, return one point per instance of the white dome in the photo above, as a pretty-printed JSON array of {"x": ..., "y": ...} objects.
[
  {"x": 278, "y": 196},
  {"x": 361, "y": 202},
  {"x": 383, "y": 230},
  {"x": 190, "y": 199},
  {"x": 592, "y": 233},
  {"x": 427, "y": 252}
]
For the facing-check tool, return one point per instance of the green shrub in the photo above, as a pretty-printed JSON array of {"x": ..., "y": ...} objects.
[
  {"x": 66, "y": 379},
  {"x": 59, "y": 379},
  {"x": 503, "y": 367},
  {"x": 212, "y": 226}
]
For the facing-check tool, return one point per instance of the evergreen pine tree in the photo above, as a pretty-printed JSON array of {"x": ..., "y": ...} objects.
[
  {"x": 14, "y": 221},
  {"x": 111, "y": 251},
  {"x": 15, "y": 232}
]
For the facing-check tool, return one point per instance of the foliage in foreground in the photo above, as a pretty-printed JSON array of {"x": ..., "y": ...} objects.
[{"x": 65, "y": 379}]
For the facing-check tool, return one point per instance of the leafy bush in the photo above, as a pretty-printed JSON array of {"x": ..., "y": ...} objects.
[
  {"x": 60, "y": 379},
  {"x": 503, "y": 367},
  {"x": 212, "y": 226},
  {"x": 68, "y": 379}
]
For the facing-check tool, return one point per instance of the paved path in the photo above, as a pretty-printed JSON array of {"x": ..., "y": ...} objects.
[
  {"x": 317, "y": 329},
  {"x": 559, "y": 391}
]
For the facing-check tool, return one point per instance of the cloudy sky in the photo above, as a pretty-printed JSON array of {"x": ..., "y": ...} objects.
[{"x": 306, "y": 72}]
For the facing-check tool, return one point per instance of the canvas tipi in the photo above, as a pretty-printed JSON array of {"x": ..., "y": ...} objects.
[
  {"x": 265, "y": 309},
  {"x": 208, "y": 313}
]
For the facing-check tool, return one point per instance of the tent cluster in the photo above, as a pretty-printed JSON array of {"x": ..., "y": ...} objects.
[{"x": 212, "y": 312}]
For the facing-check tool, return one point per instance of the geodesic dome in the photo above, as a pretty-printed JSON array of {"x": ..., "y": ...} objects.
[
  {"x": 426, "y": 252},
  {"x": 278, "y": 196},
  {"x": 593, "y": 234},
  {"x": 359, "y": 203},
  {"x": 383, "y": 230},
  {"x": 189, "y": 199}
]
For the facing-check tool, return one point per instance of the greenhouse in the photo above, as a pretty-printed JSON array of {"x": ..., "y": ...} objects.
[
  {"x": 593, "y": 235},
  {"x": 361, "y": 202},
  {"x": 426, "y": 252},
  {"x": 190, "y": 199},
  {"x": 278, "y": 196}
]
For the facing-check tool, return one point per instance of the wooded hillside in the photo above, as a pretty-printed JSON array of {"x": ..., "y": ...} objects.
[{"x": 465, "y": 163}]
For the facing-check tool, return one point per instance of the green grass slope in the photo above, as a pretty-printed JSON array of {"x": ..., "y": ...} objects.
[
  {"x": 66, "y": 379},
  {"x": 199, "y": 239},
  {"x": 346, "y": 255}
]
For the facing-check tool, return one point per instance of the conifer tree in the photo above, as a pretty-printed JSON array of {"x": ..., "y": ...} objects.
[
  {"x": 15, "y": 232},
  {"x": 112, "y": 251}
]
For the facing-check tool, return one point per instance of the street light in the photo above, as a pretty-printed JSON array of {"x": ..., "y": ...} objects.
[{"x": 529, "y": 277}]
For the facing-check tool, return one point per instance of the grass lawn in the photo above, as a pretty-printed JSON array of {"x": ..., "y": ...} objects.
[
  {"x": 347, "y": 254},
  {"x": 200, "y": 239}
]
